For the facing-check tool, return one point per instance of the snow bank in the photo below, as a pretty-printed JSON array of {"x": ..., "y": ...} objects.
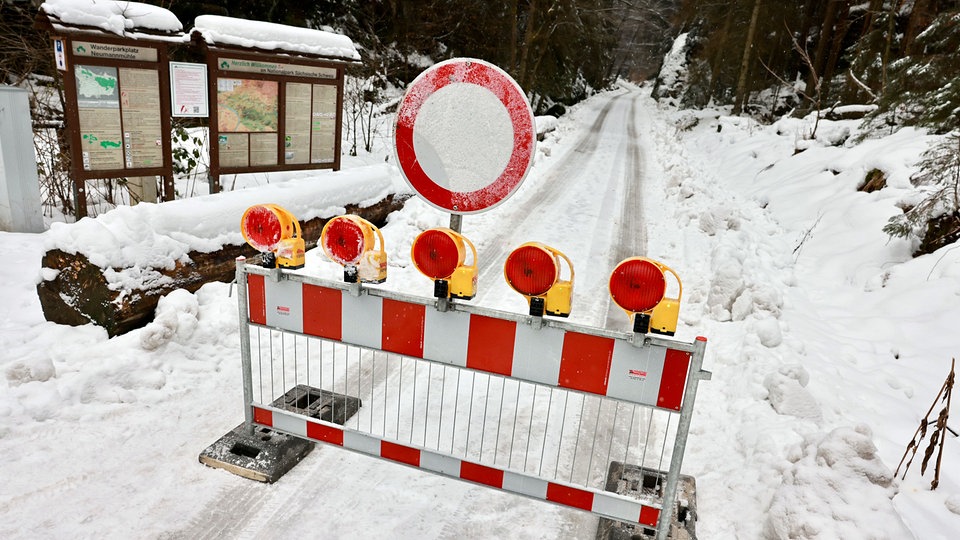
[
  {"x": 837, "y": 487},
  {"x": 815, "y": 313},
  {"x": 175, "y": 316},
  {"x": 545, "y": 124}
]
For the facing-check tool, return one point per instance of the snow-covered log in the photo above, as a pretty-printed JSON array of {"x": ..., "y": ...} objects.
[
  {"x": 80, "y": 291},
  {"x": 113, "y": 269}
]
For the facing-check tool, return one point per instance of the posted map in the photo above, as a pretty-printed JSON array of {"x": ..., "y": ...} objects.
[
  {"x": 97, "y": 87},
  {"x": 98, "y": 110},
  {"x": 247, "y": 105}
]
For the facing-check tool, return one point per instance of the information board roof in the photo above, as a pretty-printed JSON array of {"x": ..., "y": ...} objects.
[
  {"x": 217, "y": 30},
  {"x": 120, "y": 18}
]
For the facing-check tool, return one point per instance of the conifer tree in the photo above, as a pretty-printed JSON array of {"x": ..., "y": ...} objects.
[
  {"x": 935, "y": 219},
  {"x": 923, "y": 88}
]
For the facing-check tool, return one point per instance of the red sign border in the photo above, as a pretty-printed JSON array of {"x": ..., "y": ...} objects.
[{"x": 494, "y": 79}]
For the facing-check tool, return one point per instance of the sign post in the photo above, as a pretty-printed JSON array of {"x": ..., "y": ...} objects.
[{"x": 465, "y": 137}]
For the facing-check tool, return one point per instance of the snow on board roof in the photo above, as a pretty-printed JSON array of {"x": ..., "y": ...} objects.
[
  {"x": 121, "y": 18},
  {"x": 217, "y": 30}
]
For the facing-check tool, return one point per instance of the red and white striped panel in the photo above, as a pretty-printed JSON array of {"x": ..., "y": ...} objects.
[
  {"x": 602, "y": 503},
  {"x": 651, "y": 375}
]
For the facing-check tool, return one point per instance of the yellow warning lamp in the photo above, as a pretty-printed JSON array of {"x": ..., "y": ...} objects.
[
  {"x": 533, "y": 270},
  {"x": 274, "y": 232},
  {"x": 350, "y": 241},
  {"x": 638, "y": 285},
  {"x": 440, "y": 254}
]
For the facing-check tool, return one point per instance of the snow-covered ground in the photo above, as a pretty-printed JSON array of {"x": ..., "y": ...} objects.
[{"x": 827, "y": 344}]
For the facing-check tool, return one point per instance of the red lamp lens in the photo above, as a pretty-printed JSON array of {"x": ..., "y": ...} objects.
[
  {"x": 637, "y": 285},
  {"x": 344, "y": 241},
  {"x": 261, "y": 227},
  {"x": 531, "y": 270},
  {"x": 436, "y": 254}
]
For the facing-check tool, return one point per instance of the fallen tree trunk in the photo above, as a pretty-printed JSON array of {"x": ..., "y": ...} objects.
[{"x": 79, "y": 293}]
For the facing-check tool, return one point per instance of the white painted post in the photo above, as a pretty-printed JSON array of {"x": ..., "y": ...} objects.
[{"x": 19, "y": 185}]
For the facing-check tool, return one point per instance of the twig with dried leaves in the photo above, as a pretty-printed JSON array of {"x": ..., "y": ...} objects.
[{"x": 937, "y": 438}]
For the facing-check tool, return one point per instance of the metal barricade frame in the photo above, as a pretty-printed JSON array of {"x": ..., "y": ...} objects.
[{"x": 646, "y": 371}]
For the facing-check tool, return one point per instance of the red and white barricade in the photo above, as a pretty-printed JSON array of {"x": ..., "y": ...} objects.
[{"x": 531, "y": 406}]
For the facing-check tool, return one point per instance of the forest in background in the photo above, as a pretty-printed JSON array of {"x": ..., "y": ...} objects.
[
  {"x": 761, "y": 57},
  {"x": 901, "y": 55}
]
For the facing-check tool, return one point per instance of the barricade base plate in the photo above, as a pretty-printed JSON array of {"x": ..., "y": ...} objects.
[
  {"x": 633, "y": 481},
  {"x": 267, "y": 455},
  {"x": 264, "y": 456}
]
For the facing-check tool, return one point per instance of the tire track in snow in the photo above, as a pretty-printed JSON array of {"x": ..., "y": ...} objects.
[
  {"x": 632, "y": 238},
  {"x": 554, "y": 186}
]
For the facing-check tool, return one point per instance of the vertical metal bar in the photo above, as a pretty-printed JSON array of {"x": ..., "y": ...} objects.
[
  {"x": 546, "y": 430},
  {"x": 533, "y": 412},
  {"x": 683, "y": 429},
  {"x": 373, "y": 381},
  {"x": 320, "y": 366},
  {"x": 663, "y": 448},
  {"x": 413, "y": 402},
  {"x": 259, "y": 359},
  {"x": 333, "y": 384},
  {"x": 626, "y": 451},
  {"x": 613, "y": 430},
  {"x": 646, "y": 439},
  {"x": 399, "y": 396},
  {"x": 456, "y": 222},
  {"x": 593, "y": 445},
  {"x": 426, "y": 417},
  {"x": 456, "y": 412},
  {"x": 386, "y": 384},
  {"x": 273, "y": 385},
  {"x": 513, "y": 428},
  {"x": 576, "y": 448},
  {"x": 283, "y": 362},
  {"x": 443, "y": 388},
  {"x": 242, "y": 308},
  {"x": 473, "y": 384},
  {"x": 483, "y": 419},
  {"x": 496, "y": 444}
]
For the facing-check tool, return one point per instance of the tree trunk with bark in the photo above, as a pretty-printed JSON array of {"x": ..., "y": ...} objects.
[
  {"x": 79, "y": 293},
  {"x": 741, "y": 96}
]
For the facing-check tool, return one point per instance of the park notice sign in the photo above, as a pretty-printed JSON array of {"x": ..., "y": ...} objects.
[
  {"x": 188, "y": 90},
  {"x": 268, "y": 109},
  {"x": 119, "y": 117},
  {"x": 273, "y": 113}
]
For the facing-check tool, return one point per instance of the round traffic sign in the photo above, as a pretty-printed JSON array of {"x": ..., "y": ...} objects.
[{"x": 465, "y": 136}]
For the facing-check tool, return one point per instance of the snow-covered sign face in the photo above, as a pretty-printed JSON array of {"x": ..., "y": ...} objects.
[{"x": 465, "y": 136}]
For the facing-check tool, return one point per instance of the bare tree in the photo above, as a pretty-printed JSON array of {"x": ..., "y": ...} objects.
[{"x": 745, "y": 61}]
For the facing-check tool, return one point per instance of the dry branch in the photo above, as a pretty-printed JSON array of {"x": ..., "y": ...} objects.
[{"x": 937, "y": 436}]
